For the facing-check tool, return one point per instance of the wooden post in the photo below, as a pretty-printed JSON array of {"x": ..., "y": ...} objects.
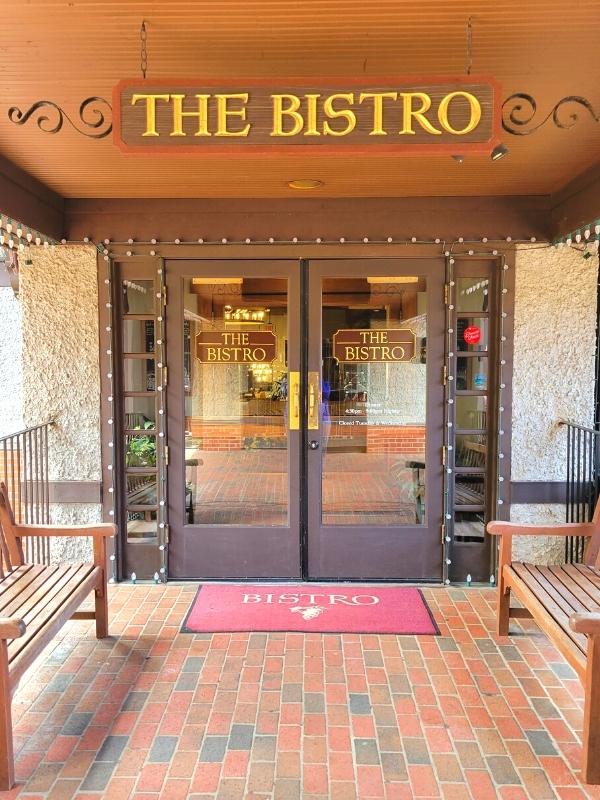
[
  {"x": 7, "y": 765},
  {"x": 591, "y": 720}
]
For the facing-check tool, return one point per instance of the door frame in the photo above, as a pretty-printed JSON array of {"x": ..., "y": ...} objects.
[{"x": 302, "y": 513}]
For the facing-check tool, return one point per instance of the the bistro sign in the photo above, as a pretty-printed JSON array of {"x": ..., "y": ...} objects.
[
  {"x": 236, "y": 347},
  {"x": 391, "y": 114},
  {"x": 357, "y": 345}
]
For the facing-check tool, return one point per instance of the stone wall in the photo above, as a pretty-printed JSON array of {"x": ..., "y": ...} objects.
[
  {"x": 554, "y": 349},
  {"x": 11, "y": 343},
  {"x": 61, "y": 378}
]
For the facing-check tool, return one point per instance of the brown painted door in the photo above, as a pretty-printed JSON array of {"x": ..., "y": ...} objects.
[
  {"x": 233, "y": 333},
  {"x": 374, "y": 419},
  {"x": 305, "y": 448}
]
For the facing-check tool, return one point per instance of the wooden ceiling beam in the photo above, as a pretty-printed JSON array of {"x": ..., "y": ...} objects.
[
  {"x": 425, "y": 218},
  {"x": 25, "y": 199}
]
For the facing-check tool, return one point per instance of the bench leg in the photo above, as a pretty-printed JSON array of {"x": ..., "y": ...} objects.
[
  {"x": 503, "y": 607},
  {"x": 101, "y": 592},
  {"x": 101, "y": 606},
  {"x": 7, "y": 761},
  {"x": 591, "y": 720}
]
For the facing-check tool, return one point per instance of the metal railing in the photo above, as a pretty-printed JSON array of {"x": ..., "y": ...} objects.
[
  {"x": 583, "y": 481},
  {"x": 24, "y": 470}
]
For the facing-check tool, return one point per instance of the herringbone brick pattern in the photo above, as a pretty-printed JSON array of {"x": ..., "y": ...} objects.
[{"x": 154, "y": 713}]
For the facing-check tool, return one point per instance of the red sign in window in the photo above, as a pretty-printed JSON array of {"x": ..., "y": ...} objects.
[{"x": 472, "y": 334}]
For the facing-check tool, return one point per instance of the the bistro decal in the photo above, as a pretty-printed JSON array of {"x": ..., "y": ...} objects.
[
  {"x": 236, "y": 347},
  {"x": 389, "y": 114},
  {"x": 351, "y": 346}
]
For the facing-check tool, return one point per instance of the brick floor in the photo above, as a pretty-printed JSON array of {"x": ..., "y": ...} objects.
[{"x": 153, "y": 713}]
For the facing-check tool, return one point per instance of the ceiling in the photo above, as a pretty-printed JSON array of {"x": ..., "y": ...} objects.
[{"x": 67, "y": 51}]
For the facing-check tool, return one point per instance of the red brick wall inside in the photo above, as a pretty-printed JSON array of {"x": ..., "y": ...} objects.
[{"x": 409, "y": 439}]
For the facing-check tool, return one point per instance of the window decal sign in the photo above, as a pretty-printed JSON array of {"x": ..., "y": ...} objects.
[
  {"x": 236, "y": 347},
  {"x": 373, "y": 345},
  {"x": 393, "y": 114},
  {"x": 472, "y": 334}
]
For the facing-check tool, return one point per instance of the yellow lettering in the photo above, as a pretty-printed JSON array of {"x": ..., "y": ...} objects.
[
  {"x": 418, "y": 113},
  {"x": 474, "y": 106},
  {"x": 179, "y": 114},
  {"x": 150, "y": 110},
  {"x": 344, "y": 113},
  {"x": 291, "y": 111},
  {"x": 311, "y": 115},
  {"x": 397, "y": 353},
  {"x": 377, "y": 98},
  {"x": 211, "y": 354},
  {"x": 224, "y": 112}
]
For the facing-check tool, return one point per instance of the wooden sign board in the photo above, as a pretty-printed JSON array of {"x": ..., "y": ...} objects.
[
  {"x": 385, "y": 115},
  {"x": 236, "y": 347},
  {"x": 372, "y": 345}
]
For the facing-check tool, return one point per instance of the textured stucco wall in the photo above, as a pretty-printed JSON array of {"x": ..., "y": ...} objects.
[
  {"x": 11, "y": 393},
  {"x": 61, "y": 377},
  {"x": 554, "y": 348}
]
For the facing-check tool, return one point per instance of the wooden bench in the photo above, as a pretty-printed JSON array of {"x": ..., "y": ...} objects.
[
  {"x": 35, "y": 602},
  {"x": 565, "y": 602}
]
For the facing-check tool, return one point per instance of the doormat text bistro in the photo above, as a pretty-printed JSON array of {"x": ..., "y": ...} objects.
[{"x": 390, "y": 114}]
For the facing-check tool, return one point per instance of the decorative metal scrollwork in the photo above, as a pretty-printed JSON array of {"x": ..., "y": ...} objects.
[
  {"x": 519, "y": 110},
  {"x": 93, "y": 120}
]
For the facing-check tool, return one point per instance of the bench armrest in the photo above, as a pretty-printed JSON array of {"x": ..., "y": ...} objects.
[
  {"x": 11, "y": 627},
  {"x": 506, "y": 531},
  {"x": 102, "y": 529},
  {"x": 496, "y": 528},
  {"x": 586, "y": 622}
]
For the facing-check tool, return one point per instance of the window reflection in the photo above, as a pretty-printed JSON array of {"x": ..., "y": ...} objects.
[
  {"x": 235, "y": 384},
  {"x": 374, "y": 400}
]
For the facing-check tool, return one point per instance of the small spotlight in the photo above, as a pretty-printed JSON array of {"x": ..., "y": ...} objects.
[
  {"x": 459, "y": 159},
  {"x": 499, "y": 152}
]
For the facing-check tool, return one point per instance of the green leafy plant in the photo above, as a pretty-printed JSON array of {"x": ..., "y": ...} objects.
[{"x": 141, "y": 450}]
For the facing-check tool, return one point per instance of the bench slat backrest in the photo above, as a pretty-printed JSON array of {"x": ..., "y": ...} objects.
[{"x": 11, "y": 551}]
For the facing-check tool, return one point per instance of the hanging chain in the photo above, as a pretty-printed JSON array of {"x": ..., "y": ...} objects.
[
  {"x": 143, "y": 49},
  {"x": 469, "y": 45}
]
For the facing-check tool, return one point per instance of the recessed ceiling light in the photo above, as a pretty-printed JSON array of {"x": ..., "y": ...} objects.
[{"x": 305, "y": 183}]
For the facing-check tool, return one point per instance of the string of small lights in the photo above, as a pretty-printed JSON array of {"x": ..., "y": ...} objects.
[
  {"x": 585, "y": 240},
  {"x": 108, "y": 340}
]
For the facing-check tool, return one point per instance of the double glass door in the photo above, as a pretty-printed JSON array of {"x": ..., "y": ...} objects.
[{"x": 305, "y": 419}]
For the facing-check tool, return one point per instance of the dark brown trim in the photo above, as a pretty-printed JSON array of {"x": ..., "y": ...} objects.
[
  {"x": 529, "y": 492},
  {"x": 576, "y": 204},
  {"x": 308, "y": 219},
  {"x": 75, "y": 491},
  {"x": 24, "y": 198}
]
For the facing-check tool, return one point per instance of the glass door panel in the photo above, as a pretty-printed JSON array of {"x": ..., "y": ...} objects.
[
  {"x": 374, "y": 333},
  {"x": 236, "y": 438}
]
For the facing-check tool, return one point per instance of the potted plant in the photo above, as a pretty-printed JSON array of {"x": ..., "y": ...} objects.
[{"x": 141, "y": 450}]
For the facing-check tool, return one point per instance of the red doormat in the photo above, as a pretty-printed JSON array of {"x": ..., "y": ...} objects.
[{"x": 308, "y": 608}]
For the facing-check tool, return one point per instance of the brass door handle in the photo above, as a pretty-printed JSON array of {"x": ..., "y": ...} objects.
[
  {"x": 294, "y": 390},
  {"x": 313, "y": 401}
]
